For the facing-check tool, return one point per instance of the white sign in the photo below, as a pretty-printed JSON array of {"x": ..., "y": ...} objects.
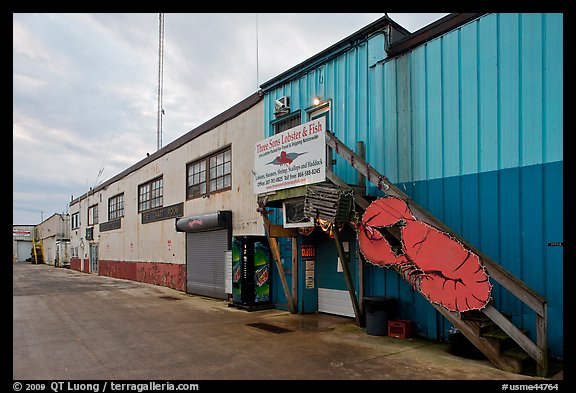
[{"x": 291, "y": 158}]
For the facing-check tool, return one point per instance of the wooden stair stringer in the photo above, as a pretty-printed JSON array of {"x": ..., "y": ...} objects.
[
  {"x": 487, "y": 346},
  {"x": 514, "y": 285}
]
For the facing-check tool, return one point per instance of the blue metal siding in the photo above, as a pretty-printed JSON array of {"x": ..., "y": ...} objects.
[
  {"x": 487, "y": 122},
  {"x": 553, "y": 272},
  {"x": 470, "y": 125},
  {"x": 530, "y": 201}
]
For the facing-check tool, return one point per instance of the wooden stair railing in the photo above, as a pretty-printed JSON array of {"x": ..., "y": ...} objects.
[{"x": 537, "y": 351}]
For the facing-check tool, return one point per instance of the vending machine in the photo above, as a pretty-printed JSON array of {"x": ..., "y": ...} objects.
[{"x": 251, "y": 270}]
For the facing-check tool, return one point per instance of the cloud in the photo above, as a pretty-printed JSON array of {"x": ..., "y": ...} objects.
[{"x": 85, "y": 86}]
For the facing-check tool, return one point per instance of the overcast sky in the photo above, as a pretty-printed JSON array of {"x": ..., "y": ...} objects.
[{"x": 85, "y": 86}]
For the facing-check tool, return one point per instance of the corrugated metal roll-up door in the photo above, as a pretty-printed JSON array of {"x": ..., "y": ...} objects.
[
  {"x": 205, "y": 262},
  {"x": 23, "y": 249}
]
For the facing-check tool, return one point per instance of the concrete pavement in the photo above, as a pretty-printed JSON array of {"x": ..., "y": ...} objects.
[{"x": 69, "y": 325}]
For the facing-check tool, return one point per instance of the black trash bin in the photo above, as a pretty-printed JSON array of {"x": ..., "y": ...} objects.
[{"x": 377, "y": 309}]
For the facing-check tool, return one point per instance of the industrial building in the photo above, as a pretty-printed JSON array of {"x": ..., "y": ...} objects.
[
  {"x": 459, "y": 124},
  {"x": 127, "y": 228},
  {"x": 52, "y": 240},
  {"x": 22, "y": 242},
  {"x": 463, "y": 121},
  {"x": 47, "y": 242}
]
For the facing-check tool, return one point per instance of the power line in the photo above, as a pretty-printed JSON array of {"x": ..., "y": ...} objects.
[{"x": 114, "y": 139}]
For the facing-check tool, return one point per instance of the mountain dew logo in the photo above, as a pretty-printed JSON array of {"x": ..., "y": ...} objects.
[
  {"x": 262, "y": 276},
  {"x": 261, "y": 272}
]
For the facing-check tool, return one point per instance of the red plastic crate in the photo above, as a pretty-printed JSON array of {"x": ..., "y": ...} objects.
[{"x": 401, "y": 328}]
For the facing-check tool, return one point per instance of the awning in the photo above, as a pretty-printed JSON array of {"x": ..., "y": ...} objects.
[{"x": 204, "y": 222}]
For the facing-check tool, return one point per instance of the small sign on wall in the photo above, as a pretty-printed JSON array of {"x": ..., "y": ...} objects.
[
  {"x": 309, "y": 273},
  {"x": 346, "y": 247},
  {"x": 310, "y": 265},
  {"x": 310, "y": 283},
  {"x": 308, "y": 251}
]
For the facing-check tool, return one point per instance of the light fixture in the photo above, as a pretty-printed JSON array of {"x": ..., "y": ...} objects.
[{"x": 316, "y": 100}]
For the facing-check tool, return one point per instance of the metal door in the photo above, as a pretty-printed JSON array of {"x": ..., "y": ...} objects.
[
  {"x": 94, "y": 258},
  {"x": 205, "y": 263}
]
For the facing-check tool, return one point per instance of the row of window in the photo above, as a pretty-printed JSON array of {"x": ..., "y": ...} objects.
[
  {"x": 212, "y": 173},
  {"x": 207, "y": 175}
]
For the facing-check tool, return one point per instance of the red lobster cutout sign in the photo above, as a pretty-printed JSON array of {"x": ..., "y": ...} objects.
[{"x": 437, "y": 265}]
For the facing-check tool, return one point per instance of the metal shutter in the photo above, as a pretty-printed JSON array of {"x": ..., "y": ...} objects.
[
  {"x": 23, "y": 249},
  {"x": 205, "y": 262}
]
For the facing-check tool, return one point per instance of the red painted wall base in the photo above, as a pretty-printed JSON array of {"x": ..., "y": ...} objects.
[{"x": 169, "y": 275}]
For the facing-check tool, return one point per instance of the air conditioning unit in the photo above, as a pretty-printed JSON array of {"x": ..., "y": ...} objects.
[
  {"x": 293, "y": 214},
  {"x": 282, "y": 106}
]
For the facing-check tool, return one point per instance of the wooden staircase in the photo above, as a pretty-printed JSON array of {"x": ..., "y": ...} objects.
[{"x": 504, "y": 344}]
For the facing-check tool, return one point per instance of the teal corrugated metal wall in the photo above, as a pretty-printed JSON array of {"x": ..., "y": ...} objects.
[{"x": 470, "y": 125}]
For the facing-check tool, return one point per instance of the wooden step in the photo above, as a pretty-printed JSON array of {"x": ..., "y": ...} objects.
[
  {"x": 502, "y": 340},
  {"x": 519, "y": 358},
  {"x": 481, "y": 321},
  {"x": 555, "y": 366}
]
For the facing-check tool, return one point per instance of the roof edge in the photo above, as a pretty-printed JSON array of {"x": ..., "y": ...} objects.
[
  {"x": 334, "y": 50},
  {"x": 433, "y": 30},
  {"x": 219, "y": 119}
]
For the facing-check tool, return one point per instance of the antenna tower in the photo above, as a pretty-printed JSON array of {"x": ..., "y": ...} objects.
[{"x": 160, "y": 77}]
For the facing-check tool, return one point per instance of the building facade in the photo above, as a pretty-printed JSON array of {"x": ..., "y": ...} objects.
[
  {"x": 465, "y": 117},
  {"x": 169, "y": 219},
  {"x": 22, "y": 242},
  {"x": 54, "y": 236}
]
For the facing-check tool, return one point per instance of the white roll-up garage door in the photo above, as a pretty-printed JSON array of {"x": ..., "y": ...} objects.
[
  {"x": 205, "y": 262},
  {"x": 23, "y": 249},
  {"x": 333, "y": 301}
]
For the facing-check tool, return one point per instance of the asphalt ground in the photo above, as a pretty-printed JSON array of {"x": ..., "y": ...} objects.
[{"x": 68, "y": 325}]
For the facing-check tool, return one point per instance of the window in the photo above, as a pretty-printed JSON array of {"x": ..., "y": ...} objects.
[
  {"x": 150, "y": 195},
  {"x": 116, "y": 207},
  {"x": 210, "y": 174},
  {"x": 196, "y": 179},
  {"x": 294, "y": 215},
  {"x": 287, "y": 122},
  {"x": 75, "y": 220},
  {"x": 93, "y": 215}
]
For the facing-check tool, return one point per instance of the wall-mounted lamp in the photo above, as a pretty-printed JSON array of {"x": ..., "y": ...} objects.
[{"x": 316, "y": 100}]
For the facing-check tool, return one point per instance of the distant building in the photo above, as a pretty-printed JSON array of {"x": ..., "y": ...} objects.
[
  {"x": 22, "y": 242},
  {"x": 54, "y": 234}
]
